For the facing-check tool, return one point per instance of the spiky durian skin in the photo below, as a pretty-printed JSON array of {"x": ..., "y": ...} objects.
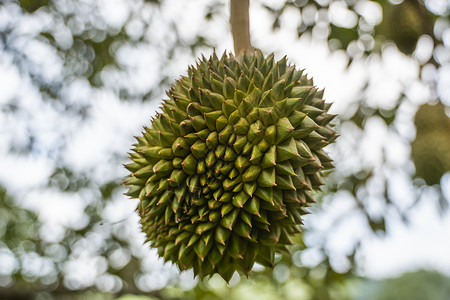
[{"x": 223, "y": 175}]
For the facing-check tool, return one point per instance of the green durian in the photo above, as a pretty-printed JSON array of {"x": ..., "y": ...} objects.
[{"x": 225, "y": 171}]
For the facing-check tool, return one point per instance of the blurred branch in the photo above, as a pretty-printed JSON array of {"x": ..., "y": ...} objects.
[
  {"x": 239, "y": 21},
  {"x": 62, "y": 293}
]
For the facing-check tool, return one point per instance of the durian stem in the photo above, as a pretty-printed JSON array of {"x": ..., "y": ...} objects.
[{"x": 240, "y": 27}]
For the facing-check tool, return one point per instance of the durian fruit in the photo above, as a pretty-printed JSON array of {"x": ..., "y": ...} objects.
[
  {"x": 430, "y": 150},
  {"x": 224, "y": 174}
]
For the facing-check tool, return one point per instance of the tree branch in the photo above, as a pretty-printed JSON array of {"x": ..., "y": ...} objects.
[{"x": 240, "y": 27}]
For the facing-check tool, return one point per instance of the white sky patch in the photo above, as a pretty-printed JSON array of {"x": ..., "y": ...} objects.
[
  {"x": 109, "y": 283},
  {"x": 370, "y": 10},
  {"x": 78, "y": 92},
  {"x": 9, "y": 74},
  {"x": 9, "y": 262},
  {"x": 110, "y": 130},
  {"x": 424, "y": 49},
  {"x": 341, "y": 16},
  {"x": 290, "y": 19},
  {"x": 422, "y": 244},
  {"x": 119, "y": 210},
  {"x": 371, "y": 148},
  {"x": 114, "y": 12},
  {"x": 82, "y": 271},
  {"x": 144, "y": 63},
  {"x": 389, "y": 74},
  {"x": 20, "y": 173},
  {"x": 56, "y": 208},
  {"x": 437, "y": 6},
  {"x": 43, "y": 58},
  {"x": 186, "y": 14},
  {"x": 135, "y": 28},
  {"x": 418, "y": 92},
  {"x": 396, "y": 151},
  {"x": 444, "y": 84}
]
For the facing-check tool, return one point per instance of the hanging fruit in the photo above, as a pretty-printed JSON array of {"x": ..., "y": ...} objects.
[{"x": 224, "y": 173}]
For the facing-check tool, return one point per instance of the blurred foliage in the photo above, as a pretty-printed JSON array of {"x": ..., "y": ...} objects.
[
  {"x": 412, "y": 286},
  {"x": 83, "y": 46},
  {"x": 431, "y": 147},
  {"x": 18, "y": 225}
]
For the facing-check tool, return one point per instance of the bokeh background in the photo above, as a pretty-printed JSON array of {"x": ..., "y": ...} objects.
[{"x": 79, "y": 78}]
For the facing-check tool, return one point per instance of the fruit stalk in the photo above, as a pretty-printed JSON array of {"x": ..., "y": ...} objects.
[{"x": 240, "y": 29}]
